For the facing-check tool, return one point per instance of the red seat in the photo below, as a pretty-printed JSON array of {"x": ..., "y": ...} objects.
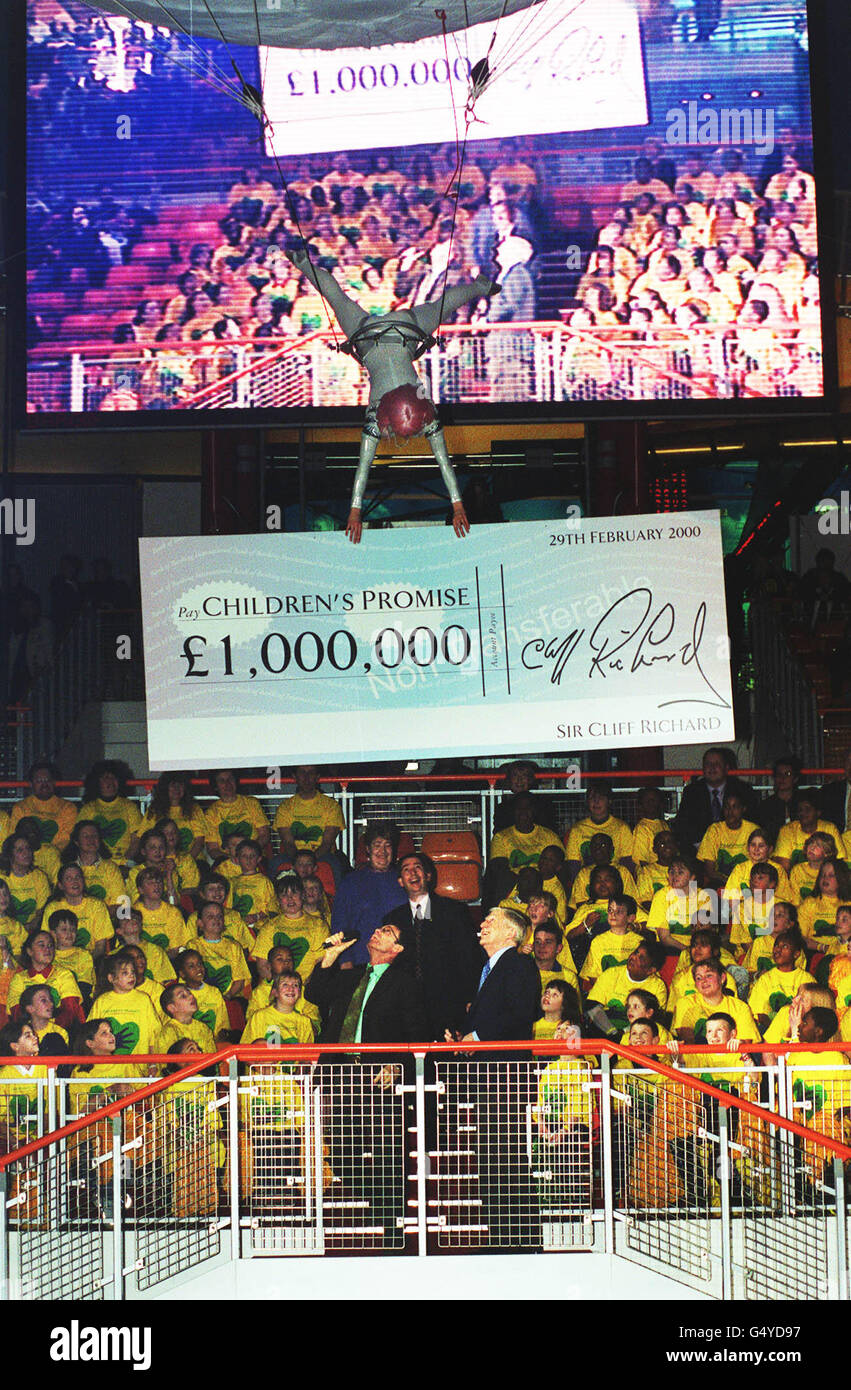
[
  {"x": 456, "y": 846},
  {"x": 152, "y": 251},
  {"x": 459, "y": 881},
  {"x": 129, "y": 275}
]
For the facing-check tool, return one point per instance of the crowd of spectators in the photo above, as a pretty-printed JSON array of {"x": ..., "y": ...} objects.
[
  {"x": 703, "y": 278},
  {"x": 200, "y": 923}
]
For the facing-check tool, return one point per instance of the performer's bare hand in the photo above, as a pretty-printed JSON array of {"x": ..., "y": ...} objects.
[
  {"x": 460, "y": 524},
  {"x": 354, "y": 529}
]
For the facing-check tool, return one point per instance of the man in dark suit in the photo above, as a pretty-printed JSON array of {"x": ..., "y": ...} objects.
[
  {"x": 364, "y": 1117},
  {"x": 835, "y": 800},
  {"x": 442, "y": 951},
  {"x": 704, "y": 797},
  {"x": 501, "y": 1084}
]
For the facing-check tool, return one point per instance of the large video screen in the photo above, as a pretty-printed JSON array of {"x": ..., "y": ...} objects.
[{"x": 637, "y": 177}]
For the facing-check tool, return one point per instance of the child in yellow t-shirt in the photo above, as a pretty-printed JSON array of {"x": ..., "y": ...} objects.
[
  {"x": 559, "y": 1004},
  {"x": 601, "y": 852},
  {"x": 614, "y": 986},
  {"x": 178, "y": 1003},
  {"x": 280, "y": 1022},
  {"x": 63, "y": 928},
  {"x": 217, "y": 890},
  {"x": 162, "y": 923},
  {"x": 776, "y": 988},
  {"x": 291, "y": 926},
  {"x": 128, "y": 1010},
  {"x": 613, "y": 946},
  {"x": 223, "y": 958},
  {"x": 802, "y": 880},
  {"x": 211, "y": 1009},
  {"x": 253, "y": 896}
]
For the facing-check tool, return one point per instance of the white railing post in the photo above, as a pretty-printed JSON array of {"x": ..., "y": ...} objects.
[
  {"x": 608, "y": 1154},
  {"x": 235, "y": 1156},
  {"x": 726, "y": 1220},
  {"x": 117, "y": 1282},
  {"x": 841, "y": 1230},
  {"x": 420, "y": 1131},
  {"x": 5, "y": 1292}
]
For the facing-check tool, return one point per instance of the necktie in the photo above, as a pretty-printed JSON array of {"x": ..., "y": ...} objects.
[
  {"x": 349, "y": 1025},
  {"x": 485, "y": 973},
  {"x": 418, "y": 942},
  {"x": 716, "y": 804}
]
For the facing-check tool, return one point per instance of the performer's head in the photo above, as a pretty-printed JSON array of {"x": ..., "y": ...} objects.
[{"x": 404, "y": 412}]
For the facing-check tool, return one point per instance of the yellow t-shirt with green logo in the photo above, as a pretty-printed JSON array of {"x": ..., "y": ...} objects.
[
  {"x": 817, "y": 920},
  {"x": 224, "y": 961},
  {"x": 59, "y": 981},
  {"x": 132, "y": 1018},
  {"x": 607, "y": 950},
  {"x": 29, "y": 893},
  {"x": 212, "y": 1009},
  {"x": 94, "y": 923},
  {"x": 692, "y": 1011},
  {"x": 738, "y": 886},
  {"x": 791, "y": 839},
  {"x": 839, "y": 981},
  {"x": 562, "y": 972},
  {"x": 643, "y": 836},
  {"x": 522, "y": 851},
  {"x": 581, "y": 884},
  {"x": 304, "y": 935},
  {"x": 672, "y": 909},
  {"x": 174, "y": 1032},
  {"x": 243, "y": 816},
  {"x": 119, "y": 820},
  {"x": 307, "y": 818},
  {"x": 651, "y": 878},
  {"x": 234, "y": 928},
  {"x": 774, "y": 989},
  {"x": 190, "y": 828},
  {"x": 164, "y": 925},
  {"x": 14, "y": 933},
  {"x": 47, "y": 859},
  {"x": 803, "y": 882},
  {"x": 21, "y": 1101},
  {"x": 261, "y": 998},
  {"x": 613, "y": 987},
  {"x": 821, "y": 1083},
  {"x": 253, "y": 894},
  {"x": 158, "y": 967},
  {"x": 56, "y": 816},
  {"x": 725, "y": 848},
  {"x": 79, "y": 962},
  {"x": 579, "y": 838},
  {"x": 104, "y": 880},
  {"x": 760, "y": 956},
  {"x": 278, "y": 1029},
  {"x": 565, "y": 1097}
]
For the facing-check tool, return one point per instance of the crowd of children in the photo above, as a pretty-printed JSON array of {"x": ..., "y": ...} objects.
[{"x": 187, "y": 927}]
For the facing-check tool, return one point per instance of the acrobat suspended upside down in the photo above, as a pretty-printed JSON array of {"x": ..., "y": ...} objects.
[{"x": 387, "y": 346}]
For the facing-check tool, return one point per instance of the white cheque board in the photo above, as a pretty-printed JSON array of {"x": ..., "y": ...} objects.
[{"x": 532, "y": 637}]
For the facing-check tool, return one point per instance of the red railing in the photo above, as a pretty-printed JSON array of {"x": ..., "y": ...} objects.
[{"x": 641, "y": 1056}]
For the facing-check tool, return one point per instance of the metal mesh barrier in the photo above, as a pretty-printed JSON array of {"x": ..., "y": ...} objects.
[
  {"x": 322, "y": 1156},
  {"x": 512, "y": 1165},
  {"x": 57, "y": 1241},
  {"x": 172, "y": 1151},
  {"x": 524, "y": 1154},
  {"x": 789, "y": 1197},
  {"x": 279, "y": 1192},
  {"x": 663, "y": 1174},
  {"x": 419, "y": 813}
]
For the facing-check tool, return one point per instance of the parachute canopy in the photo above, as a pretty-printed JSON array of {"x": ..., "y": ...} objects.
[{"x": 313, "y": 23}]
